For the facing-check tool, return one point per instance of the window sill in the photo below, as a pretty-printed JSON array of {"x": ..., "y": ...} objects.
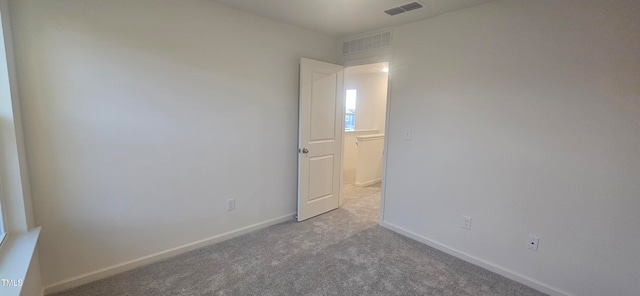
[{"x": 16, "y": 253}]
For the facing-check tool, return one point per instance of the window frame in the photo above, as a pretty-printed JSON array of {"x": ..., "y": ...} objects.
[
  {"x": 3, "y": 224},
  {"x": 3, "y": 231},
  {"x": 353, "y": 115}
]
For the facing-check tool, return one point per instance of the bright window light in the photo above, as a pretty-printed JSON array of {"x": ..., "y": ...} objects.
[{"x": 350, "y": 110}]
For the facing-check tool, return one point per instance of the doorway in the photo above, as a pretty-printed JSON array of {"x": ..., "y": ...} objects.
[
  {"x": 327, "y": 121},
  {"x": 365, "y": 92}
]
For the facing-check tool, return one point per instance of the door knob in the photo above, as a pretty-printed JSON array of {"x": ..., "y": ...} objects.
[{"x": 305, "y": 150}]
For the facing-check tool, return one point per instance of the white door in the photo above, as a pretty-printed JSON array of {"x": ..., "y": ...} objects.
[{"x": 320, "y": 137}]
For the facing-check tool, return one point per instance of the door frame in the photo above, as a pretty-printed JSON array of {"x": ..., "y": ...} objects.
[{"x": 359, "y": 62}]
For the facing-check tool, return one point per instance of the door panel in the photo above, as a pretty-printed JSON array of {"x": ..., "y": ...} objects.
[
  {"x": 320, "y": 137},
  {"x": 322, "y": 110},
  {"x": 320, "y": 177}
]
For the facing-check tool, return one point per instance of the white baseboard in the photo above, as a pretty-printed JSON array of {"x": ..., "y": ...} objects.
[
  {"x": 363, "y": 184},
  {"x": 125, "y": 266},
  {"x": 542, "y": 287}
]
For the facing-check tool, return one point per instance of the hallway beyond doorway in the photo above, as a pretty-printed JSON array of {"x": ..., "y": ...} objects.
[{"x": 362, "y": 202}]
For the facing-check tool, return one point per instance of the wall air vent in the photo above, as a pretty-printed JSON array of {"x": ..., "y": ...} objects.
[
  {"x": 366, "y": 43},
  {"x": 403, "y": 8}
]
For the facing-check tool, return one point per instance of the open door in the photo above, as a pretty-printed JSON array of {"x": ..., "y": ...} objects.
[{"x": 320, "y": 137}]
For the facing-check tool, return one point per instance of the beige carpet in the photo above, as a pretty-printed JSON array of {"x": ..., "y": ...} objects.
[{"x": 343, "y": 252}]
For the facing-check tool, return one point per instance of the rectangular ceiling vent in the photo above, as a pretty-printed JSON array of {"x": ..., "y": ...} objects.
[
  {"x": 403, "y": 8},
  {"x": 366, "y": 43},
  {"x": 394, "y": 11}
]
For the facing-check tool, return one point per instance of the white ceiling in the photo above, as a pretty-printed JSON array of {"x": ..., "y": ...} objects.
[{"x": 342, "y": 18}]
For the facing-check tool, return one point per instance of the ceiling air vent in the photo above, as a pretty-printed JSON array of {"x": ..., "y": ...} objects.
[
  {"x": 365, "y": 43},
  {"x": 394, "y": 11},
  {"x": 411, "y": 6},
  {"x": 403, "y": 8}
]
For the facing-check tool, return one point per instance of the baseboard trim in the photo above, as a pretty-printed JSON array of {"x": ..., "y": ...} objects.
[
  {"x": 369, "y": 182},
  {"x": 128, "y": 265},
  {"x": 542, "y": 287}
]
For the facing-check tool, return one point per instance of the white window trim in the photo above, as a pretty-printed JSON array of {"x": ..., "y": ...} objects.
[
  {"x": 3, "y": 231},
  {"x": 17, "y": 250},
  {"x": 17, "y": 253}
]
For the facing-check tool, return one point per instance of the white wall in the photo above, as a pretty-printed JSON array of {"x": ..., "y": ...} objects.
[
  {"x": 350, "y": 154},
  {"x": 525, "y": 116},
  {"x": 371, "y": 104},
  {"x": 371, "y": 99},
  {"x": 142, "y": 117},
  {"x": 32, "y": 282},
  {"x": 369, "y": 164}
]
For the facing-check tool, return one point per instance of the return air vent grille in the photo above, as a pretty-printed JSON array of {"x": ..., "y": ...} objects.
[
  {"x": 394, "y": 11},
  {"x": 403, "y": 8},
  {"x": 366, "y": 43}
]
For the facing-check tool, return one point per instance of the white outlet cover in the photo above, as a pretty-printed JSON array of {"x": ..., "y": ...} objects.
[
  {"x": 533, "y": 242},
  {"x": 466, "y": 222},
  {"x": 406, "y": 134}
]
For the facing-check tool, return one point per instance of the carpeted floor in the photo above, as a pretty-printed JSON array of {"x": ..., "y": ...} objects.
[{"x": 343, "y": 252}]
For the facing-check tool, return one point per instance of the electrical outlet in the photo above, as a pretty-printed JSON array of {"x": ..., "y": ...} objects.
[
  {"x": 466, "y": 222},
  {"x": 231, "y": 204},
  {"x": 406, "y": 134},
  {"x": 533, "y": 242}
]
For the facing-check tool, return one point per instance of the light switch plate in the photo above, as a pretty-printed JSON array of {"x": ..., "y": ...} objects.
[
  {"x": 231, "y": 204},
  {"x": 466, "y": 222}
]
